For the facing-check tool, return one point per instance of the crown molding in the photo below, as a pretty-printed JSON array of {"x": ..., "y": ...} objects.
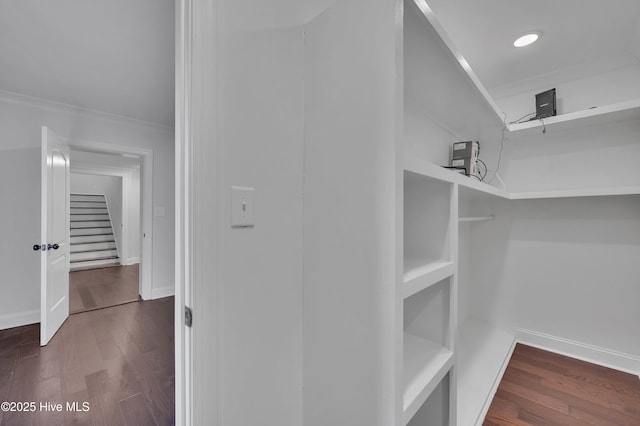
[{"x": 33, "y": 101}]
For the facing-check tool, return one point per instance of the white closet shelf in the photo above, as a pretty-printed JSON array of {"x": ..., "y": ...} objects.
[
  {"x": 476, "y": 218},
  {"x": 430, "y": 170},
  {"x": 472, "y": 189},
  {"x": 420, "y": 275},
  {"x": 483, "y": 355},
  {"x": 572, "y": 193},
  {"x": 607, "y": 113},
  {"x": 425, "y": 365}
]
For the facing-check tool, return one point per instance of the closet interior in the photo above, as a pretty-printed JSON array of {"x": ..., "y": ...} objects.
[{"x": 541, "y": 252}]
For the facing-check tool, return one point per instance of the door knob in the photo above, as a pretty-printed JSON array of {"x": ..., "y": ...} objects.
[
  {"x": 52, "y": 246},
  {"x": 37, "y": 247}
]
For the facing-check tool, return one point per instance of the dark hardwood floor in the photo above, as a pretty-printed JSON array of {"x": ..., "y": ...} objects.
[
  {"x": 544, "y": 388},
  {"x": 119, "y": 360},
  {"x": 100, "y": 288}
]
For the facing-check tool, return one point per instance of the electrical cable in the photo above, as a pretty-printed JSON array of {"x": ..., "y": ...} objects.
[
  {"x": 521, "y": 118},
  {"x": 486, "y": 169},
  {"x": 504, "y": 127},
  {"x": 544, "y": 127}
]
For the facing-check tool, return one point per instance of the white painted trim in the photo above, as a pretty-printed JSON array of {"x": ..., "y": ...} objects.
[
  {"x": 91, "y": 169},
  {"x": 457, "y": 54},
  {"x": 146, "y": 205},
  {"x": 18, "y": 319},
  {"x": 494, "y": 388},
  {"x": 22, "y": 99},
  {"x": 159, "y": 293},
  {"x": 199, "y": 165},
  {"x": 126, "y": 237},
  {"x": 594, "y": 354},
  {"x": 132, "y": 261},
  {"x": 182, "y": 335},
  {"x": 115, "y": 234}
]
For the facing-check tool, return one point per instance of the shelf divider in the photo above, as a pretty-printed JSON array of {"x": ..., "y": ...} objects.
[
  {"x": 425, "y": 168},
  {"x": 425, "y": 365},
  {"x": 421, "y": 276}
]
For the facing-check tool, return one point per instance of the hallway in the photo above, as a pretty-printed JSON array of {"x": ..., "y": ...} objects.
[
  {"x": 100, "y": 288},
  {"x": 120, "y": 360}
]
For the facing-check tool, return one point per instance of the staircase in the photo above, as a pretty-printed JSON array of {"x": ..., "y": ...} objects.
[{"x": 93, "y": 243}]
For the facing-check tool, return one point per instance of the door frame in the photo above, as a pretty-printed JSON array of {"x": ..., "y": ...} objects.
[
  {"x": 199, "y": 216},
  {"x": 146, "y": 203}
]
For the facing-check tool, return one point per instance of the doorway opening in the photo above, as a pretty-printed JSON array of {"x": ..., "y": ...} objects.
[
  {"x": 120, "y": 270},
  {"x": 105, "y": 230}
]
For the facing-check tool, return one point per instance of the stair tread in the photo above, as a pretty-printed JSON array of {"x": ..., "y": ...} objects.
[
  {"x": 76, "y": 268},
  {"x": 94, "y": 259},
  {"x": 92, "y": 250},
  {"x": 93, "y": 242}
]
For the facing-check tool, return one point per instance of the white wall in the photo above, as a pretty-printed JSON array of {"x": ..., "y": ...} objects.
[
  {"x": 304, "y": 340},
  {"x": 600, "y": 155},
  {"x": 262, "y": 71},
  {"x": 349, "y": 215},
  {"x": 565, "y": 267},
  {"x": 20, "y": 121},
  {"x": 111, "y": 188},
  {"x": 132, "y": 211},
  {"x": 573, "y": 94},
  {"x": 20, "y": 226}
]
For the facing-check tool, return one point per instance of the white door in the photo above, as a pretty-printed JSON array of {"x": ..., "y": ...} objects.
[{"x": 54, "y": 276}]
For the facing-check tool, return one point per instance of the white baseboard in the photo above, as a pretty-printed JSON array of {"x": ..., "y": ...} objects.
[
  {"x": 132, "y": 261},
  {"x": 159, "y": 293},
  {"x": 19, "y": 319},
  {"x": 596, "y": 355}
]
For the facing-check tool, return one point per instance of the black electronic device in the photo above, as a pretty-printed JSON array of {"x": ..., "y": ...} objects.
[{"x": 546, "y": 104}]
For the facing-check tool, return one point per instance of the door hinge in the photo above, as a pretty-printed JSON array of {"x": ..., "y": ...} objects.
[{"x": 188, "y": 316}]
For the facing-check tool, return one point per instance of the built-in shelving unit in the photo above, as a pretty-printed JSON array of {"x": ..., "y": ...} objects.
[
  {"x": 427, "y": 288},
  {"x": 480, "y": 351},
  {"x": 427, "y": 350},
  {"x": 473, "y": 189},
  {"x": 599, "y": 115}
]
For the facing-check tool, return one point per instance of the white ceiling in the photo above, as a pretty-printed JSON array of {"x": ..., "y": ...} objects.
[
  {"x": 115, "y": 56},
  {"x": 576, "y": 34}
]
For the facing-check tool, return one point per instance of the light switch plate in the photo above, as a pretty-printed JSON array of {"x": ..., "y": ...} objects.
[{"x": 241, "y": 207}]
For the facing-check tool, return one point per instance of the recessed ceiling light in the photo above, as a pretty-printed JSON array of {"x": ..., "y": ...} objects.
[{"x": 526, "y": 39}]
